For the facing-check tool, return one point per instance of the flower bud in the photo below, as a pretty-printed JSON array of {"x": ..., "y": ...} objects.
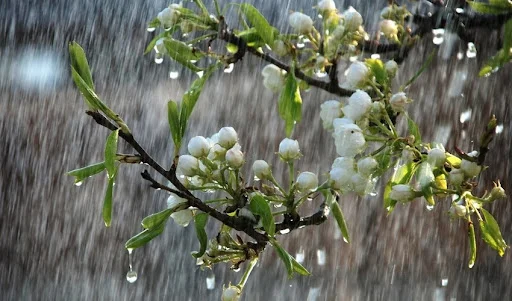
[
  {"x": 188, "y": 165},
  {"x": 359, "y": 104},
  {"x": 361, "y": 184},
  {"x": 389, "y": 29},
  {"x": 231, "y": 293},
  {"x": 367, "y": 166},
  {"x": 235, "y": 158},
  {"x": 357, "y": 74},
  {"x": 329, "y": 111},
  {"x": 338, "y": 122},
  {"x": 470, "y": 169},
  {"x": 326, "y": 6},
  {"x": 398, "y": 101},
  {"x": 391, "y": 68},
  {"x": 289, "y": 149},
  {"x": 353, "y": 19},
  {"x": 261, "y": 169},
  {"x": 341, "y": 179},
  {"x": 401, "y": 193},
  {"x": 425, "y": 176},
  {"x": 217, "y": 152},
  {"x": 198, "y": 146},
  {"x": 273, "y": 77},
  {"x": 386, "y": 12},
  {"x": 300, "y": 22},
  {"x": 307, "y": 181},
  {"x": 182, "y": 217},
  {"x": 227, "y": 137},
  {"x": 280, "y": 48},
  {"x": 497, "y": 192},
  {"x": 346, "y": 163},
  {"x": 169, "y": 16},
  {"x": 456, "y": 177},
  {"x": 436, "y": 157},
  {"x": 458, "y": 210},
  {"x": 349, "y": 140}
]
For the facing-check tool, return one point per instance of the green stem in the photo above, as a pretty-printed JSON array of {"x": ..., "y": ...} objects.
[{"x": 247, "y": 273}]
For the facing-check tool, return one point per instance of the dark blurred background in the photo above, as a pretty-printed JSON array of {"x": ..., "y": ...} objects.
[{"x": 54, "y": 245}]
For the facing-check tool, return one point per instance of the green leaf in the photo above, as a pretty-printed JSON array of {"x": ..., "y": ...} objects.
[
  {"x": 502, "y": 56},
  {"x": 107, "y": 203},
  {"x": 182, "y": 53},
  {"x": 154, "y": 23},
  {"x": 340, "y": 220},
  {"x": 495, "y": 7},
  {"x": 491, "y": 233},
  {"x": 156, "y": 218},
  {"x": 285, "y": 257},
  {"x": 423, "y": 67},
  {"x": 91, "y": 99},
  {"x": 402, "y": 175},
  {"x": 265, "y": 31},
  {"x": 251, "y": 37},
  {"x": 472, "y": 244},
  {"x": 201, "y": 6},
  {"x": 83, "y": 173},
  {"x": 414, "y": 130},
  {"x": 290, "y": 102},
  {"x": 80, "y": 64},
  {"x": 378, "y": 70},
  {"x": 110, "y": 153},
  {"x": 200, "y": 221},
  {"x": 173, "y": 117},
  {"x": 152, "y": 43},
  {"x": 298, "y": 268},
  {"x": 145, "y": 236},
  {"x": 190, "y": 98},
  {"x": 260, "y": 206}
]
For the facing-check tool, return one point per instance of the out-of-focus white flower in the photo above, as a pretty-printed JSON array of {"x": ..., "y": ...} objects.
[
  {"x": 346, "y": 163},
  {"x": 235, "y": 158},
  {"x": 188, "y": 165},
  {"x": 470, "y": 169},
  {"x": 353, "y": 19},
  {"x": 338, "y": 32},
  {"x": 341, "y": 178},
  {"x": 307, "y": 181},
  {"x": 231, "y": 293},
  {"x": 261, "y": 169},
  {"x": 425, "y": 176},
  {"x": 391, "y": 68},
  {"x": 217, "y": 152},
  {"x": 361, "y": 184},
  {"x": 300, "y": 22},
  {"x": 386, "y": 12},
  {"x": 389, "y": 29},
  {"x": 329, "y": 111},
  {"x": 456, "y": 177},
  {"x": 198, "y": 146},
  {"x": 398, "y": 101},
  {"x": 227, "y": 137},
  {"x": 459, "y": 210},
  {"x": 408, "y": 155},
  {"x": 289, "y": 149},
  {"x": 367, "y": 166},
  {"x": 436, "y": 157},
  {"x": 169, "y": 16},
  {"x": 359, "y": 104},
  {"x": 326, "y": 5},
  {"x": 273, "y": 77},
  {"x": 349, "y": 140},
  {"x": 401, "y": 193},
  {"x": 357, "y": 74},
  {"x": 182, "y": 217},
  {"x": 280, "y": 48}
]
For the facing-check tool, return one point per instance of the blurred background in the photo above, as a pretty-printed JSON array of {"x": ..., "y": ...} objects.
[{"x": 54, "y": 245}]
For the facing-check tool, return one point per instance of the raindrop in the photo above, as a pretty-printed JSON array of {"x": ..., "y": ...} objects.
[
  {"x": 300, "y": 45},
  {"x": 159, "y": 59},
  {"x": 131, "y": 276},
  {"x": 438, "y": 36},
  {"x": 465, "y": 116},
  {"x": 320, "y": 257},
  {"x": 375, "y": 56},
  {"x": 321, "y": 74},
  {"x": 459, "y": 10},
  {"x": 345, "y": 239},
  {"x": 460, "y": 55},
  {"x": 151, "y": 29},
  {"x": 284, "y": 231},
  {"x": 210, "y": 282},
  {"x": 256, "y": 178},
  {"x": 229, "y": 69},
  {"x": 200, "y": 74},
  {"x": 79, "y": 183},
  {"x": 174, "y": 74},
  {"x": 444, "y": 281},
  {"x": 352, "y": 59},
  {"x": 236, "y": 270},
  {"x": 278, "y": 205},
  {"x": 429, "y": 207},
  {"x": 499, "y": 128},
  {"x": 471, "y": 52},
  {"x": 300, "y": 256}
]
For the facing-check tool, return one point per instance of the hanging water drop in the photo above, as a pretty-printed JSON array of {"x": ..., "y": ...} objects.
[
  {"x": 78, "y": 184},
  {"x": 320, "y": 257},
  {"x": 285, "y": 231},
  {"x": 444, "y": 281},
  {"x": 345, "y": 239},
  {"x": 471, "y": 52},
  {"x": 158, "y": 58},
  {"x": 300, "y": 256},
  {"x": 151, "y": 29},
  {"x": 229, "y": 69},
  {"x": 429, "y": 207},
  {"x": 210, "y": 282},
  {"x": 200, "y": 74},
  {"x": 438, "y": 36},
  {"x": 131, "y": 276},
  {"x": 174, "y": 74}
]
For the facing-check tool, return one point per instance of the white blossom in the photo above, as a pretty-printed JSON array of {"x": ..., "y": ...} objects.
[
  {"x": 456, "y": 177},
  {"x": 307, "y": 181},
  {"x": 359, "y": 104},
  {"x": 217, "y": 152},
  {"x": 361, "y": 184},
  {"x": 337, "y": 122},
  {"x": 231, "y": 293},
  {"x": 401, "y": 193},
  {"x": 353, "y": 19},
  {"x": 300, "y": 22},
  {"x": 356, "y": 74},
  {"x": 398, "y": 101},
  {"x": 386, "y": 12},
  {"x": 289, "y": 149},
  {"x": 261, "y": 169},
  {"x": 470, "y": 169},
  {"x": 367, "y": 166},
  {"x": 425, "y": 176},
  {"x": 349, "y": 140},
  {"x": 227, "y": 137},
  {"x": 280, "y": 48},
  {"x": 329, "y": 111},
  {"x": 459, "y": 210},
  {"x": 182, "y": 217},
  {"x": 346, "y": 163},
  {"x": 389, "y": 28},
  {"x": 341, "y": 178},
  {"x": 198, "y": 146},
  {"x": 188, "y": 165},
  {"x": 235, "y": 158},
  {"x": 273, "y": 77},
  {"x": 326, "y": 5},
  {"x": 169, "y": 16},
  {"x": 391, "y": 68},
  {"x": 436, "y": 157}
]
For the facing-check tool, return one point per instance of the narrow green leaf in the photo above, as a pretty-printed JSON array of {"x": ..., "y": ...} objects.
[
  {"x": 299, "y": 268},
  {"x": 260, "y": 206},
  {"x": 494, "y": 8},
  {"x": 200, "y": 221},
  {"x": 201, "y": 6},
  {"x": 251, "y": 37},
  {"x": 402, "y": 175},
  {"x": 285, "y": 257},
  {"x": 507, "y": 34},
  {"x": 491, "y": 233},
  {"x": 472, "y": 244},
  {"x": 107, "y": 203},
  {"x": 145, "y": 236},
  {"x": 83, "y": 173},
  {"x": 414, "y": 130},
  {"x": 290, "y": 102},
  {"x": 173, "y": 117},
  {"x": 340, "y": 220},
  {"x": 265, "y": 31},
  {"x": 156, "y": 218},
  {"x": 91, "y": 99},
  {"x": 378, "y": 70},
  {"x": 110, "y": 152},
  {"x": 423, "y": 67},
  {"x": 191, "y": 96},
  {"x": 182, "y": 53},
  {"x": 80, "y": 64}
]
